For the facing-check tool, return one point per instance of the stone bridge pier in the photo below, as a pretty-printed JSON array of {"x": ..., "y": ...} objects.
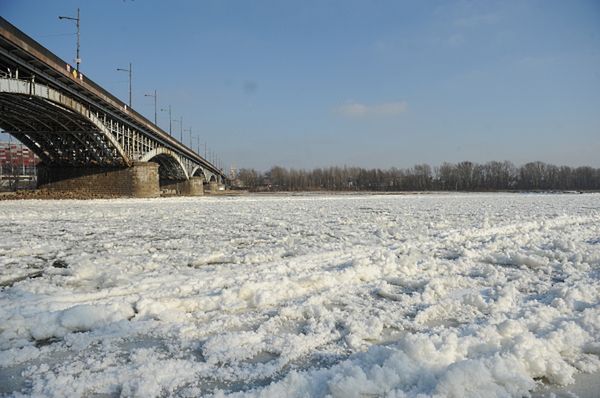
[
  {"x": 194, "y": 186},
  {"x": 141, "y": 180}
]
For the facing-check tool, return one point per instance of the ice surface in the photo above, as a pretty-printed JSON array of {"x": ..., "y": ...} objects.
[{"x": 342, "y": 296}]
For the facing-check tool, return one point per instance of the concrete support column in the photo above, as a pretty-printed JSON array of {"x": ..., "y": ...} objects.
[{"x": 138, "y": 181}]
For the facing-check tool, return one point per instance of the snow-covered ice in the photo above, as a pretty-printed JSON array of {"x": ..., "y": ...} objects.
[{"x": 273, "y": 296}]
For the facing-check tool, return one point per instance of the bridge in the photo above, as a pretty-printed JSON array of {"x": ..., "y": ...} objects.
[{"x": 86, "y": 138}]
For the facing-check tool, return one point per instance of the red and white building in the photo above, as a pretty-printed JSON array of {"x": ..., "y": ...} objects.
[{"x": 16, "y": 159}]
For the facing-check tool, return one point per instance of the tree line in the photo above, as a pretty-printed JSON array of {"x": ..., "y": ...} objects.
[{"x": 463, "y": 176}]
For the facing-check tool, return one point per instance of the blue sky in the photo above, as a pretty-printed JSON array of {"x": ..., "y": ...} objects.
[{"x": 365, "y": 83}]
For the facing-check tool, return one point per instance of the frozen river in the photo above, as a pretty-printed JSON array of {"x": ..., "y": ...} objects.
[{"x": 351, "y": 296}]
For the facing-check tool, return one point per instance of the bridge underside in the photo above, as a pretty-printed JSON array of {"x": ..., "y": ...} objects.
[{"x": 57, "y": 135}]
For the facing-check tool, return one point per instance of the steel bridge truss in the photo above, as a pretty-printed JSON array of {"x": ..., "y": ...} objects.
[{"x": 63, "y": 131}]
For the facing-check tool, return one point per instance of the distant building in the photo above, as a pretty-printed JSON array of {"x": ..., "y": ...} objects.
[
  {"x": 16, "y": 159},
  {"x": 233, "y": 173}
]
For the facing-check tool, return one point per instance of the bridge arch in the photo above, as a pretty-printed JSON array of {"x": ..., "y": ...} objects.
[
  {"x": 59, "y": 129},
  {"x": 170, "y": 165},
  {"x": 199, "y": 172}
]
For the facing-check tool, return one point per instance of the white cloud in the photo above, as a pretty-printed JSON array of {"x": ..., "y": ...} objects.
[{"x": 355, "y": 109}]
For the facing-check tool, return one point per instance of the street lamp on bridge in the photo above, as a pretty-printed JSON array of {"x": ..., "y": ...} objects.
[
  {"x": 170, "y": 119},
  {"x": 189, "y": 131},
  {"x": 130, "y": 71},
  {"x": 155, "y": 96},
  {"x": 180, "y": 121},
  {"x": 181, "y": 130},
  {"x": 77, "y": 20},
  {"x": 198, "y": 144}
]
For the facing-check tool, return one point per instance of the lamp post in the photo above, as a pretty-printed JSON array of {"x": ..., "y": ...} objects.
[
  {"x": 170, "y": 119},
  {"x": 155, "y": 96},
  {"x": 77, "y": 20},
  {"x": 197, "y": 139},
  {"x": 180, "y": 121},
  {"x": 181, "y": 129},
  {"x": 189, "y": 131},
  {"x": 130, "y": 70}
]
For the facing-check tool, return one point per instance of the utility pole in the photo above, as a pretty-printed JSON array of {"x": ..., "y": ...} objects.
[
  {"x": 189, "y": 131},
  {"x": 22, "y": 160},
  {"x": 197, "y": 139},
  {"x": 170, "y": 120},
  {"x": 78, "y": 21},
  {"x": 155, "y": 96},
  {"x": 181, "y": 130},
  {"x": 130, "y": 70},
  {"x": 175, "y": 120}
]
